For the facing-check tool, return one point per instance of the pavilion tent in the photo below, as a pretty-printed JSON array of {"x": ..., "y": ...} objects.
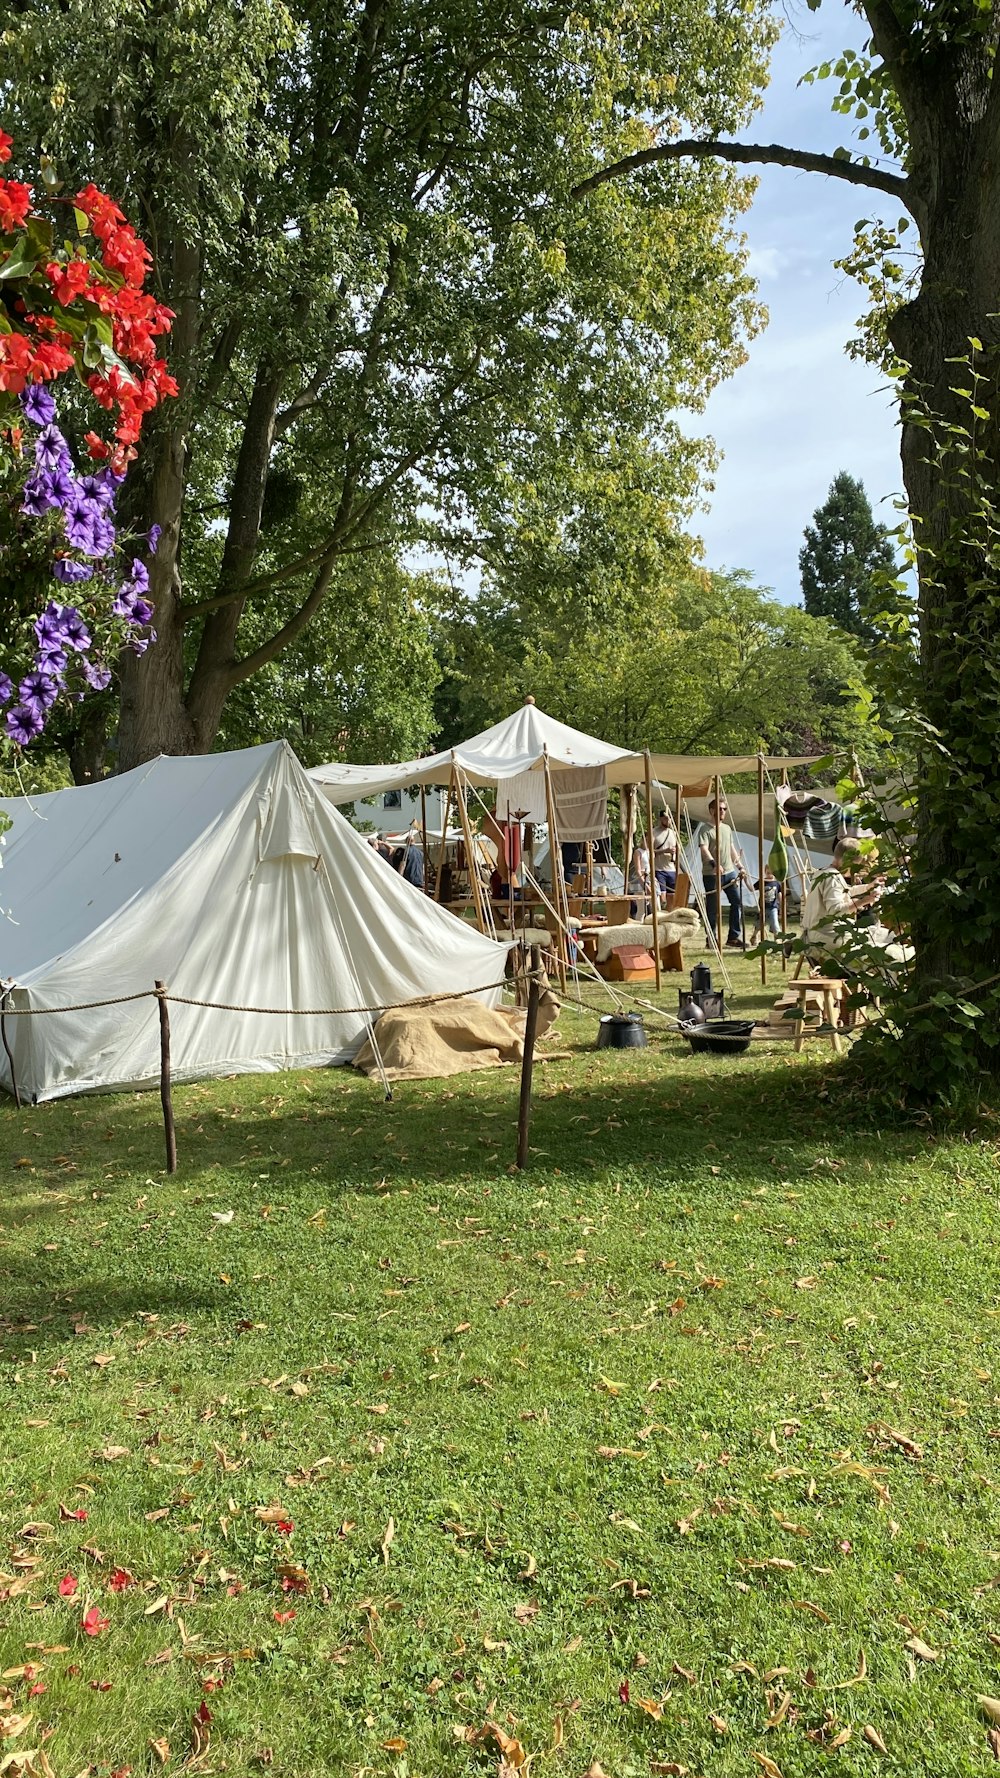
[
  {"x": 523, "y": 742},
  {"x": 232, "y": 880}
]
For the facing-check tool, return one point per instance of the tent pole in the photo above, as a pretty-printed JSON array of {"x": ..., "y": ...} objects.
[
  {"x": 629, "y": 789},
  {"x": 470, "y": 853},
  {"x": 423, "y": 831},
  {"x": 760, "y": 870},
  {"x": 558, "y": 884},
  {"x": 444, "y": 832},
  {"x": 654, "y": 887},
  {"x": 718, "y": 866}
]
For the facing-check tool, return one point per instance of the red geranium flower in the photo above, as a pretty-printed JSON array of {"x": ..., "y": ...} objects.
[
  {"x": 92, "y": 1623},
  {"x": 5, "y": 145},
  {"x": 68, "y": 1586},
  {"x": 285, "y": 1526},
  {"x": 15, "y": 202}
]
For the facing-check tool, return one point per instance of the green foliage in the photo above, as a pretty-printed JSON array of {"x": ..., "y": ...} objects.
[
  {"x": 848, "y": 565},
  {"x": 703, "y": 663},
  {"x": 363, "y": 217}
]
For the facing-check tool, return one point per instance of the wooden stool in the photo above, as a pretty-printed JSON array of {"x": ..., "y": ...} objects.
[{"x": 830, "y": 987}]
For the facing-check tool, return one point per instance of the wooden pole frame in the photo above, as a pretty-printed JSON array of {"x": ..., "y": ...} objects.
[
  {"x": 654, "y": 887},
  {"x": 423, "y": 831},
  {"x": 470, "y": 852},
  {"x": 444, "y": 832},
  {"x": 718, "y": 865},
  {"x": 629, "y": 831},
  {"x": 558, "y": 881},
  {"x": 760, "y": 866},
  {"x": 783, "y": 896}
]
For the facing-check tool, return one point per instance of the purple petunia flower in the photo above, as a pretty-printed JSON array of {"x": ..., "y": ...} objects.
[
  {"x": 6, "y": 689},
  {"x": 51, "y": 450},
  {"x": 75, "y": 633},
  {"x": 139, "y": 576},
  {"x": 39, "y": 495},
  {"x": 102, "y": 537},
  {"x": 153, "y": 536},
  {"x": 70, "y": 572},
  {"x": 52, "y": 660},
  {"x": 142, "y": 612},
  {"x": 38, "y": 692},
  {"x": 37, "y": 405},
  {"x": 97, "y": 677},
  {"x": 102, "y": 488},
  {"x": 139, "y": 644},
  {"x": 80, "y": 525},
  {"x": 23, "y": 725}
]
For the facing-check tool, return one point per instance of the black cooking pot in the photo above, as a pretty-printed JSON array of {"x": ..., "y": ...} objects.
[
  {"x": 701, "y": 978},
  {"x": 621, "y": 1031},
  {"x": 720, "y": 1037}
]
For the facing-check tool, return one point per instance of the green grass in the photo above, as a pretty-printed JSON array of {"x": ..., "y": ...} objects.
[{"x": 630, "y": 1416}]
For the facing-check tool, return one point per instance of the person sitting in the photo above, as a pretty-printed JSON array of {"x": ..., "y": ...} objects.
[
  {"x": 665, "y": 853},
  {"x": 834, "y": 905},
  {"x": 728, "y": 870}
]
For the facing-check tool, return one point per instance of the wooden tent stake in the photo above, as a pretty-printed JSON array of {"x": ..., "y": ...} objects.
[
  {"x": 170, "y": 1134},
  {"x": 762, "y": 922},
  {"x": 654, "y": 887},
  {"x": 444, "y": 832}
]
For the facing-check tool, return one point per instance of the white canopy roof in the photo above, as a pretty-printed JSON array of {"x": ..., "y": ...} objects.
[
  {"x": 230, "y": 879},
  {"x": 520, "y": 743}
]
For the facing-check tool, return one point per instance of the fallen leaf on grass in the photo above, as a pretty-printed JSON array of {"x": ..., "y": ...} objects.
[
  {"x": 993, "y": 1742},
  {"x": 917, "y": 1646},
  {"x": 529, "y": 1570},
  {"x": 668, "y": 1768},
  {"x": 396, "y": 1744},
  {"x": 650, "y": 1706},
  {"x": 595, "y": 1771},
  {"x": 807, "y": 1605},
  {"x": 990, "y": 1708},
  {"x": 388, "y": 1535},
  {"x": 874, "y": 1739},
  {"x": 271, "y": 1515},
  {"x": 161, "y": 1748},
  {"x": 767, "y": 1765},
  {"x": 13, "y": 1725},
  {"x": 112, "y": 1453},
  {"x": 159, "y": 1512},
  {"x": 223, "y": 1216},
  {"x": 526, "y": 1611},
  {"x": 719, "y": 1723},
  {"x": 862, "y": 1673}
]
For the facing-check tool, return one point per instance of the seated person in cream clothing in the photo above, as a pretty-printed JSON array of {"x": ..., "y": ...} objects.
[{"x": 835, "y": 899}]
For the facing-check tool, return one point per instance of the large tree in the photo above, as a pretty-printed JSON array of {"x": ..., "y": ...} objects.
[
  {"x": 847, "y": 560},
  {"x": 387, "y": 303},
  {"x": 931, "y": 113}
]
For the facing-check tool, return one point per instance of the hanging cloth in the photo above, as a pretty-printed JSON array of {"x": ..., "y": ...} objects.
[
  {"x": 524, "y": 796},
  {"x": 580, "y": 794}
]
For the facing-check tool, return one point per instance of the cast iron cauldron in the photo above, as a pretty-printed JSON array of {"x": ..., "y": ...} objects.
[
  {"x": 621, "y": 1031},
  {"x": 720, "y": 1037}
]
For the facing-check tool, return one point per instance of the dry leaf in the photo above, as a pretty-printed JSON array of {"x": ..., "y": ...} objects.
[
  {"x": 718, "y": 1723},
  {"x": 387, "y": 1537},
  {"x": 161, "y": 1748},
  {"x": 493, "y": 1648},
  {"x": 993, "y": 1742},
  {"x": 990, "y": 1708},
  {"x": 807, "y": 1605},
  {"x": 594, "y": 1770},
  {"x": 529, "y": 1570},
  {"x": 526, "y": 1611},
  {"x": 874, "y": 1739},
  {"x": 396, "y": 1744},
  {"x": 650, "y": 1706},
  {"x": 767, "y": 1765},
  {"x": 839, "y": 1740},
  {"x": 862, "y": 1673},
  {"x": 668, "y": 1768},
  {"x": 111, "y": 1453},
  {"x": 271, "y": 1515},
  {"x": 13, "y": 1725},
  {"x": 777, "y": 1716},
  {"x": 918, "y": 1647}
]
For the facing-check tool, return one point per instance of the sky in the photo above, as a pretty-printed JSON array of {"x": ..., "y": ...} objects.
[{"x": 799, "y": 410}]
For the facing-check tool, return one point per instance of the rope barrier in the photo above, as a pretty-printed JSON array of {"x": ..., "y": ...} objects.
[{"x": 316, "y": 1012}]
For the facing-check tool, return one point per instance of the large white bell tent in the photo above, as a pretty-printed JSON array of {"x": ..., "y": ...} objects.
[{"x": 230, "y": 878}]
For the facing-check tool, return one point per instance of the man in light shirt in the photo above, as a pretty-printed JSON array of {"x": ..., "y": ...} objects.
[
  {"x": 728, "y": 867},
  {"x": 833, "y": 904}
]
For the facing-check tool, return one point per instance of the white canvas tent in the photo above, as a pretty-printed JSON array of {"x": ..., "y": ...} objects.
[
  {"x": 231, "y": 880},
  {"x": 521, "y": 743}
]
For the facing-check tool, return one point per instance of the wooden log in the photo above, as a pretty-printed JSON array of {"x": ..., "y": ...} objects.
[
  {"x": 169, "y": 1132},
  {"x": 528, "y": 1059}
]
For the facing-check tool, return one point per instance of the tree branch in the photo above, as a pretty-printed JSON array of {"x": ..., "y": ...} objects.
[{"x": 770, "y": 154}]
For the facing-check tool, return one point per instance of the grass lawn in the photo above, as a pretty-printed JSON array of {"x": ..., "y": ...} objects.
[{"x": 675, "y": 1455}]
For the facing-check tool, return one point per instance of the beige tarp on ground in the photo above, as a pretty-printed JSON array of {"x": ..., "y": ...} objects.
[{"x": 453, "y": 1037}]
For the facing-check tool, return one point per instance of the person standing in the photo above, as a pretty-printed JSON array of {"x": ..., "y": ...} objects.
[
  {"x": 724, "y": 874},
  {"x": 665, "y": 853}
]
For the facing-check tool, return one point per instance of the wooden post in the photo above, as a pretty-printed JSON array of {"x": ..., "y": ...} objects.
[
  {"x": 629, "y": 791},
  {"x": 470, "y": 853},
  {"x": 166, "y": 1101},
  {"x": 558, "y": 883},
  {"x": 423, "y": 832},
  {"x": 444, "y": 833},
  {"x": 528, "y": 1060},
  {"x": 654, "y": 887},
  {"x": 760, "y": 867},
  {"x": 718, "y": 865}
]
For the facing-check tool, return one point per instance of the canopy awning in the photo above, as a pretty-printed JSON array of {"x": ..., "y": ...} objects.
[{"x": 521, "y": 743}]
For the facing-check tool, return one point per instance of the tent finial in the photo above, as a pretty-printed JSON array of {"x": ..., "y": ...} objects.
[{"x": 529, "y": 699}]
